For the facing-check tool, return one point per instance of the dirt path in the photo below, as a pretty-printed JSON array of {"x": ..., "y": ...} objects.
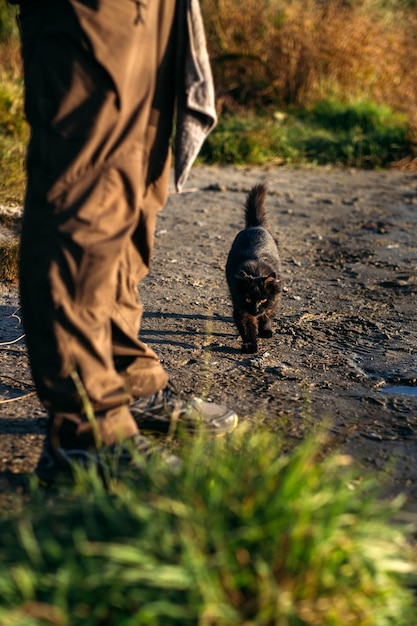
[{"x": 344, "y": 350}]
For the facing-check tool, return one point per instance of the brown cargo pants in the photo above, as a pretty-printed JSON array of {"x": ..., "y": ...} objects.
[{"x": 99, "y": 84}]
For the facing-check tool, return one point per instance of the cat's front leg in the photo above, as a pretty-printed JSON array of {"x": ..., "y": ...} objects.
[
  {"x": 247, "y": 327},
  {"x": 249, "y": 347},
  {"x": 265, "y": 327}
]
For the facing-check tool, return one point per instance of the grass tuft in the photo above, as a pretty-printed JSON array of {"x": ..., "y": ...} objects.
[
  {"x": 242, "y": 534},
  {"x": 9, "y": 261}
]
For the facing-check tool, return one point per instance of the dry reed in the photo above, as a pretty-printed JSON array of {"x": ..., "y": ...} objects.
[{"x": 295, "y": 52}]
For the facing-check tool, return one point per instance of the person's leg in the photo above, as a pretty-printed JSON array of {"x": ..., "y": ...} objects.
[
  {"x": 141, "y": 374},
  {"x": 90, "y": 71}
]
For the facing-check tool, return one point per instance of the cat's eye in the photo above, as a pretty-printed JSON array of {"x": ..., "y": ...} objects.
[
  {"x": 262, "y": 301},
  {"x": 248, "y": 300}
]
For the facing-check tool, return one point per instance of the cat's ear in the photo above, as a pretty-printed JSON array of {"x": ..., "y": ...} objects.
[
  {"x": 271, "y": 283},
  {"x": 242, "y": 277}
]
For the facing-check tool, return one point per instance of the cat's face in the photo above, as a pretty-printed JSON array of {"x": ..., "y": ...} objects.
[{"x": 258, "y": 293}]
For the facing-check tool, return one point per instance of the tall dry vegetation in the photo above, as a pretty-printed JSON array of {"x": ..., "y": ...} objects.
[
  {"x": 10, "y": 61},
  {"x": 295, "y": 52}
]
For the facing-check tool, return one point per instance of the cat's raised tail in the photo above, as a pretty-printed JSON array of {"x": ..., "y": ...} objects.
[{"x": 255, "y": 211}]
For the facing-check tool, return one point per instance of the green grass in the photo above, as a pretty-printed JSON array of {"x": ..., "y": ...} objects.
[
  {"x": 14, "y": 134},
  {"x": 243, "y": 534},
  {"x": 359, "y": 134}
]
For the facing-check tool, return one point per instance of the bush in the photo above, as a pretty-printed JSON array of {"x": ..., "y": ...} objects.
[
  {"x": 243, "y": 534},
  {"x": 295, "y": 52},
  {"x": 8, "y": 25}
]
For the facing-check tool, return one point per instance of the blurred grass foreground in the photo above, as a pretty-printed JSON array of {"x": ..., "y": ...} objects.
[{"x": 243, "y": 534}]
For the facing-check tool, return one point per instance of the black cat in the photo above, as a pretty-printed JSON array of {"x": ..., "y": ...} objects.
[{"x": 253, "y": 272}]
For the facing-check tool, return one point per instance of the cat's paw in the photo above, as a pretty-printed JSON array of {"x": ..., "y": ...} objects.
[
  {"x": 249, "y": 348},
  {"x": 266, "y": 333}
]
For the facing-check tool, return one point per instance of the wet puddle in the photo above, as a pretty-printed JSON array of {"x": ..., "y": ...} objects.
[
  {"x": 401, "y": 390},
  {"x": 392, "y": 383}
]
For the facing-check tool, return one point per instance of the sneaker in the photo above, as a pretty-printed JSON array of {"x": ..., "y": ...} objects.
[
  {"x": 55, "y": 463},
  {"x": 165, "y": 412}
]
